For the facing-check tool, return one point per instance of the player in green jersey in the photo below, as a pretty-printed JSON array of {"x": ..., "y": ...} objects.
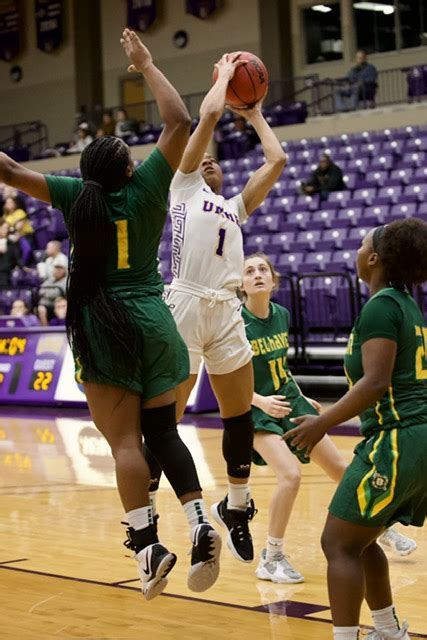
[
  {"x": 127, "y": 349},
  {"x": 386, "y": 365},
  {"x": 276, "y": 396}
]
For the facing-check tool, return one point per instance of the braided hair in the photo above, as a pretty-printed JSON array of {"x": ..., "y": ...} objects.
[{"x": 96, "y": 321}]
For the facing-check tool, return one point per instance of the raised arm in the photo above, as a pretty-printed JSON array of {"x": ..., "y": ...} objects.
[
  {"x": 210, "y": 112},
  {"x": 262, "y": 181},
  {"x": 19, "y": 177},
  {"x": 173, "y": 111}
]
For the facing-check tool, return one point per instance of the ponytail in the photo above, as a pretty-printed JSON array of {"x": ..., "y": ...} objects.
[{"x": 97, "y": 323}]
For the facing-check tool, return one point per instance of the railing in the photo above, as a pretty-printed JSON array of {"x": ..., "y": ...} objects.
[
  {"x": 31, "y": 137},
  {"x": 407, "y": 84}
]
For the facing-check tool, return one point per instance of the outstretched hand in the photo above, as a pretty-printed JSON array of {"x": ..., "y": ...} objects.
[
  {"x": 136, "y": 51},
  {"x": 227, "y": 65},
  {"x": 307, "y": 434}
]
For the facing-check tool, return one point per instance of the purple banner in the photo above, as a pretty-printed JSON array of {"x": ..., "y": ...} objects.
[
  {"x": 9, "y": 30},
  {"x": 48, "y": 24},
  {"x": 141, "y": 14},
  {"x": 201, "y": 8}
]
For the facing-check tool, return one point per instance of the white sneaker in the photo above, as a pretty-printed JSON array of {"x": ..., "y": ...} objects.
[
  {"x": 204, "y": 568},
  {"x": 278, "y": 569},
  {"x": 401, "y": 635},
  {"x": 154, "y": 564},
  {"x": 402, "y": 545}
]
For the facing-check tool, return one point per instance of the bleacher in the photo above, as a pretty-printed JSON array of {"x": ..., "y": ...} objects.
[{"x": 312, "y": 243}]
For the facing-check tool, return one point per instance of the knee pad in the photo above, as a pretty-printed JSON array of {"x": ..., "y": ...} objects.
[{"x": 237, "y": 444}]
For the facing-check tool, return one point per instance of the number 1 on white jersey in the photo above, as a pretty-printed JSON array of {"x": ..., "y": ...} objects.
[{"x": 220, "y": 247}]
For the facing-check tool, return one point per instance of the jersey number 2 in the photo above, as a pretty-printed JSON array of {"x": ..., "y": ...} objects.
[
  {"x": 220, "y": 247},
  {"x": 421, "y": 354},
  {"x": 122, "y": 244}
]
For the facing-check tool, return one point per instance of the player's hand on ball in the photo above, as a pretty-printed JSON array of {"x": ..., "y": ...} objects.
[
  {"x": 307, "y": 434},
  {"x": 276, "y": 406},
  {"x": 227, "y": 65},
  {"x": 136, "y": 51}
]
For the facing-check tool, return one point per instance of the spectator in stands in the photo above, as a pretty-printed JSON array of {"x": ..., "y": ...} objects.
[
  {"x": 19, "y": 308},
  {"x": 108, "y": 124},
  {"x": 15, "y": 215},
  {"x": 52, "y": 288},
  {"x": 362, "y": 79},
  {"x": 124, "y": 126},
  {"x": 83, "y": 139},
  {"x": 327, "y": 177},
  {"x": 53, "y": 250},
  {"x": 59, "y": 312},
  {"x": 240, "y": 140},
  {"x": 9, "y": 255}
]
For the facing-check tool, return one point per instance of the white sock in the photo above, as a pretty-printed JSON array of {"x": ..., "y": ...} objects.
[
  {"x": 140, "y": 518},
  {"x": 239, "y": 496},
  {"x": 152, "y": 495},
  {"x": 274, "y": 546},
  {"x": 346, "y": 633},
  {"x": 385, "y": 620},
  {"x": 195, "y": 512}
]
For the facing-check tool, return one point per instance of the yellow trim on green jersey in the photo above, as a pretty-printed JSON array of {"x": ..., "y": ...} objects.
[
  {"x": 382, "y": 504},
  {"x": 363, "y": 489},
  {"x": 392, "y": 405}
]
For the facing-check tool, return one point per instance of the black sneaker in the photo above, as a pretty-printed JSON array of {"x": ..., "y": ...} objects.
[
  {"x": 154, "y": 560},
  {"x": 204, "y": 569},
  {"x": 239, "y": 539}
]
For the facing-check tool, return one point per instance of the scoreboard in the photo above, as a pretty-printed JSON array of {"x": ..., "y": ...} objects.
[{"x": 36, "y": 367}]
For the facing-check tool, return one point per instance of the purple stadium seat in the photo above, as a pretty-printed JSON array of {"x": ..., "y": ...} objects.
[
  {"x": 347, "y": 217},
  {"x": 404, "y": 210},
  {"x": 416, "y": 144},
  {"x": 350, "y": 180},
  {"x": 331, "y": 239},
  {"x": 419, "y": 191},
  {"x": 393, "y": 146},
  {"x": 373, "y": 216},
  {"x": 340, "y": 198},
  {"x": 363, "y": 197},
  {"x": 342, "y": 260},
  {"x": 421, "y": 172},
  {"x": 388, "y": 195},
  {"x": 370, "y": 149},
  {"x": 413, "y": 159},
  {"x": 283, "y": 241},
  {"x": 308, "y": 202},
  {"x": 315, "y": 261},
  {"x": 298, "y": 219},
  {"x": 399, "y": 177},
  {"x": 355, "y": 238},
  {"x": 306, "y": 240},
  {"x": 257, "y": 243},
  {"x": 323, "y": 219},
  {"x": 383, "y": 161},
  {"x": 290, "y": 262},
  {"x": 359, "y": 164},
  {"x": 283, "y": 204}
]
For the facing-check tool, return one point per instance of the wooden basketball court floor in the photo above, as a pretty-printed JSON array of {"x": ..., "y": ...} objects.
[{"x": 65, "y": 574}]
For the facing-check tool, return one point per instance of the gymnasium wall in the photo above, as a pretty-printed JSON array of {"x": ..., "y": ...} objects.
[
  {"x": 46, "y": 91},
  {"x": 190, "y": 69},
  {"x": 339, "y": 68}
]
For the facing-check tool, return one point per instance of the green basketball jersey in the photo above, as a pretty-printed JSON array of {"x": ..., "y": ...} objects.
[
  {"x": 392, "y": 314},
  {"x": 138, "y": 212},
  {"x": 269, "y": 341}
]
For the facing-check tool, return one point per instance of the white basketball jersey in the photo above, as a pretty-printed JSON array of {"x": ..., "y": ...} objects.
[{"x": 207, "y": 242}]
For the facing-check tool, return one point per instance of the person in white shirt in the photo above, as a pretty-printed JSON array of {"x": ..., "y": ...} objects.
[
  {"x": 207, "y": 265},
  {"x": 53, "y": 249}
]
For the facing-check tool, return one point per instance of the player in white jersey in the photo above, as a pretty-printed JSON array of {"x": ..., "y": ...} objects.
[{"x": 207, "y": 263}]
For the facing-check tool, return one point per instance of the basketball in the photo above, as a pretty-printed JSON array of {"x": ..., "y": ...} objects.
[{"x": 249, "y": 83}]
